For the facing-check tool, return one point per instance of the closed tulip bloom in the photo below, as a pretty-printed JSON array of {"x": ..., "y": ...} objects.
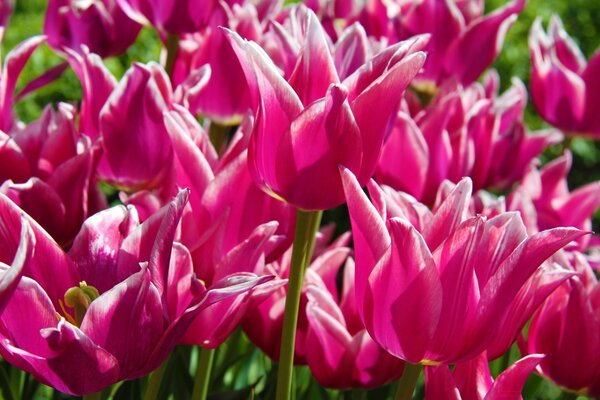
[
  {"x": 463, "y": 132},
  {"x": 264, "y": 324},
  {"x": 339, "y": 351},
  {"x": 439, "y": 295},
  {"x": 113, "y": 308},
  {"x": 50, "y": 173},
  {"x": 567, "y": 328},
  {"x": 100, "y": 25},
  {"x": 308, "y": 125},
  {"x": 564, "y": 86},
  {"x": 137, "y": 150}
]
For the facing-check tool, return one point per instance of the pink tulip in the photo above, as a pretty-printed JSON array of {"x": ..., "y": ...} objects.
[
  {"x": 545, "y": 196},
  {"x": 464, "y": 41},
  {"x": 172, "y": 16},
  {"x": 463, "y": 132},
  {"x": 222, "y": 236},
  {"x": 111, "y": 309},
  {"x": 564, "y": 87},
  {"x": 339, "y": 351},
  {"x": 305, "y": 127},
  {"x": 465, "y": 270},
  {"x": 264, "y": 324},
  {"x": 472, "y": 380},
  {"x": 100, "y": 25},
  {"x": 567, "y": 328},
  {"x": 137, "y": 151},
  {"x": 50, "y": 173},
  {"x": 210, "y": 47}
]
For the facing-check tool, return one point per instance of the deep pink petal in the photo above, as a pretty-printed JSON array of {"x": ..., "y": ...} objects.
[
  {"x": 371, "y": 239},
  {"x": 95, "y": 249},
  {"x": 405, "y": 291},
  {"x": 315, "y": 69},
  {"x": 13, "y": 65},
  {"x": 137, "y": 149},
  {"x": 49, "y": 266},
  {"x": 132, "y": 306},
  {"x": 509, "y": 384}
]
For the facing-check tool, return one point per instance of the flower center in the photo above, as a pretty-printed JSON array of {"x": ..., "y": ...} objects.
[{"x": 79, "y": 298}]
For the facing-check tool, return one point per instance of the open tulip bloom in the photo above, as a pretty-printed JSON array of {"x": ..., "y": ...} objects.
[
  {"x": 312, "y": 122},
  {"x": 440, "y": 295},
  {"x": 109, "y": 309}
]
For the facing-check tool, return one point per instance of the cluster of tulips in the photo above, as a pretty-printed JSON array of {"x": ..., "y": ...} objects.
[{"x": 183, "y": 202}]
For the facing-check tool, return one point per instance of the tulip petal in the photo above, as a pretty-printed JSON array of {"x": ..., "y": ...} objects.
[{"x": 509, "y": 384}]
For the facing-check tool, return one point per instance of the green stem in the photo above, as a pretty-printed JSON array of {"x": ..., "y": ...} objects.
[
  {"x": 408, "y": 382},
  {"x": 93, "y": 396},
  {"x": 172, "y": 47},
  {"x": 202, "y": 381},
  {"x": 154, "y": 381},
  {"x": 16, "y": 382},
  {"x": 307, "y": 224}
]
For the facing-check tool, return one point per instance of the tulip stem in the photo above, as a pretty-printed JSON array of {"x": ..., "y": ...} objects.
[
  {"x": 307, "y": 224},
  {"x": 202, "y": 381},
  {"x": 172, "y": 47},
  {"x": 93, "y": 396},
  {"x": 408, "y": 382},
  {"x": 154, "y": 381}
]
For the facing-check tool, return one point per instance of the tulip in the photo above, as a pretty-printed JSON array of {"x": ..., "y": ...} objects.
[
  {"x": 545, "y": 196},
  {"x": 472, "y": 380},
  {"x": 100, "y": 25},
  {"x": 567, "y": 328},
  {"x": 307, "y": 126},
  {"x": 210, "y": 46},
  {"x": 263, "y": 325},
  {"x": 119, "y": 276},
  {"x": 463, "y": 132},
  {"x": 564, "y": 87},
  {"x": 339, "y": 351},
  {"x": 465, "y": 41},
  {"x": 172, "y": 16},
  {"x": 50, "y": 173},
  {"x": 466, "y": 271},
  {"x": 137, "y": 151}
]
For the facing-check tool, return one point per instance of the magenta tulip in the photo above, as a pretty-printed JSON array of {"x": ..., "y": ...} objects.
[
  {"x": 440, "y": 294},
  {"x": 567, "y": 328},
  {"x": 172, "y": 16},
  {"x": 339, "y": 351},
  {"x": 112, "y": 308},
  {"x": 264, "y": 324},
  {"x": 305, "y": 127},
  {"x": 137, "y": 150},
  {"x": 464, "y": 41},
  {"x": 50, "y": 173},
  {"x": 463, "y": 132},
  {"x": 100, "y": 25},
  {"x": 564, "y": 87}
]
